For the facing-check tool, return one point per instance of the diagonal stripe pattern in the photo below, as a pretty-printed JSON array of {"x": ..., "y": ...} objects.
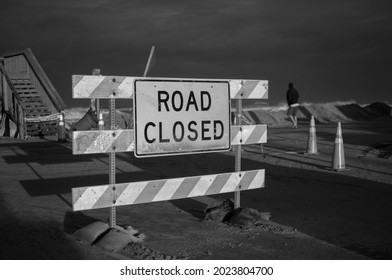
[
  {"x": 242, "y": 89},
  {"x": 94, "y": 197},
  {"x": 102, "y": 141},
  {"x": 85, "y": 86},
  {"x": 102, "y": 87},
  {"x": 248, "y": 134}
]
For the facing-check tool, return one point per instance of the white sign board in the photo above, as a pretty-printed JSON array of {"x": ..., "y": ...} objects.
[{"x": 181, "y": 116}]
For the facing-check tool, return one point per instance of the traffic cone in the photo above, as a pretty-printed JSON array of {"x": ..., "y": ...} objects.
[
  {"x": 61, "y": 129},
  {"x": 100, "y": 122},
  {"x": 338, "y": 161},
  {"x": 312, "y": 140}
]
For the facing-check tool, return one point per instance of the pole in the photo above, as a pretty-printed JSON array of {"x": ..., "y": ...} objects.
[
  {"x": 97, "y": 72},
  {"x": 112, "y": 155},
  {"x": 237, "y": 196},
  {"x": 150, "y": 61},
  {"x": 112, "y": 163}
]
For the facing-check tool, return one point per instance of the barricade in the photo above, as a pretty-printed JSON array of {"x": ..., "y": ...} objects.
[{"x": 126, "y": 140}]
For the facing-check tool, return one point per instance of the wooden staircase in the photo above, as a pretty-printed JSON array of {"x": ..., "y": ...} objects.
[
  {"x": 30, "y": 98},
  {"x": 35, "y": 108}
]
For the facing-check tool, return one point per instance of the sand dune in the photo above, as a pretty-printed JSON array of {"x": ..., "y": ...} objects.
[
  {"x": 322, "y": 112},
  {"x": 274, "y": 116}
]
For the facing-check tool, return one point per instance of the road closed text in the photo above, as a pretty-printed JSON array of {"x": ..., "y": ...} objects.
[
  {"x": 205, "y": 130},
  {"x": 181, "y": 117}
]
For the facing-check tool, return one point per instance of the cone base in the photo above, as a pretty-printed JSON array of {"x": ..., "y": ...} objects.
[
  {"x": 307, "y": 154},
  {"x": 339, "y": 169}
]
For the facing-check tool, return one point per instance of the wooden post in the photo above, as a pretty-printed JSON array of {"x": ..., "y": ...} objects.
[
  {"x": 1, "y": 85},
  {"x": 6, "y": 107},
  {"x": 5, "y": 94}
]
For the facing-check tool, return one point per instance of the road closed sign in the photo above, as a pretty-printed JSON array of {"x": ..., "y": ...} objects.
[{"x": 181, "y": 116}]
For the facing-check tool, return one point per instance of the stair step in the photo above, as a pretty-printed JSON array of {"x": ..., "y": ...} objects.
[
  {"x": 18, "y": 87},
  {"x": 21, "y": 91},
  {"x": 34, "y": 104},
  {"x": 30, "y": 95},
  {"x": 44, "y": 111},
  {"x": 20, "y": 81},
  {"x": 26, "y": 101},
  {"x": 37, "y": 112},
  {"x": 23, "y": 85},
  {"x": 34, "y": 108}
]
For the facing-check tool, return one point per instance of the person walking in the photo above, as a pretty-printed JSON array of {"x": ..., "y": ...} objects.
[{"x": 292, "y": 97}]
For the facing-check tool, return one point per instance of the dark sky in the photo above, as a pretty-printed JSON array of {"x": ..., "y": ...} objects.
[{"x": 332, "y": 50}]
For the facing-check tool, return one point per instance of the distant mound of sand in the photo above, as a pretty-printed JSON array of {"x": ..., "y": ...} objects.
[
  {"x": 322, "y": 112},
  {"x": 273, "y": 116}
]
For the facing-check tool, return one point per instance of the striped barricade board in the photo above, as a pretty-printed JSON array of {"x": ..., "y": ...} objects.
[
  {"x": 85, "y": 198},
  {"x": 86, "y": 86},
  {"x": 106, "y": 141},
  {"x": 123, "y": 140},
  {"x": 102, "y": 141}
]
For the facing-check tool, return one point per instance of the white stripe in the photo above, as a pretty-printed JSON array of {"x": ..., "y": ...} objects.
[
  {"x": 258, "y": 181},
  {"x": 168, "y": 189},
  {"x": 131, "y": 147},
  {"x": 257, "y": 91},
  {"x": 88, "y": 199},
  {"x": 103, "y": 142},
  {"x": 232, "y": 183},
  {"x": 131, "y": 193},
  {"x": 235, "y": 87},
  {"x": 126, "y": 87},
  {"x": 236, "y": 140},
  {"x": 202, "y": 185},
  {"x": 87, "y": 85},
  {"x": 246, "y": 132}
]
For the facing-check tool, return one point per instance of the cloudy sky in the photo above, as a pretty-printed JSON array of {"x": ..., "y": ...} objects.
[{"x": 331, "y": 50}]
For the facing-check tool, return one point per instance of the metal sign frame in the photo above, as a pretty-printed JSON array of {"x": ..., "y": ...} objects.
[{"x": 141, "y": 154}]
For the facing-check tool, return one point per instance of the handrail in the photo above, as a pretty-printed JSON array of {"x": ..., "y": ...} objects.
[
  {"x": 41, "y": 76},
  {"x": 13, "y": 90},
  {"x": 45, "y": 81},
  {"x": 20, "y": 122}
]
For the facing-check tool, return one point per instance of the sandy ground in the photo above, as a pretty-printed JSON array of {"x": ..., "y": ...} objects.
[{"x": 337, "y": 215}]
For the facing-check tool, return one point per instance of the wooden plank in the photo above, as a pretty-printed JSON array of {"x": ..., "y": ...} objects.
[
  {"x": 86, "y": 86},
  {"x": 103, "y": 141},
  {"x": 17, "y": 86},
  {"x": 30, "y": 97},
  {"x": 32, "y": 103},
  {"x": 94, "y": 197},
  {"x": 6, "y": 93},
  {"x": 26, "y": 90},
  {"x": 248, "y": 134}
]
